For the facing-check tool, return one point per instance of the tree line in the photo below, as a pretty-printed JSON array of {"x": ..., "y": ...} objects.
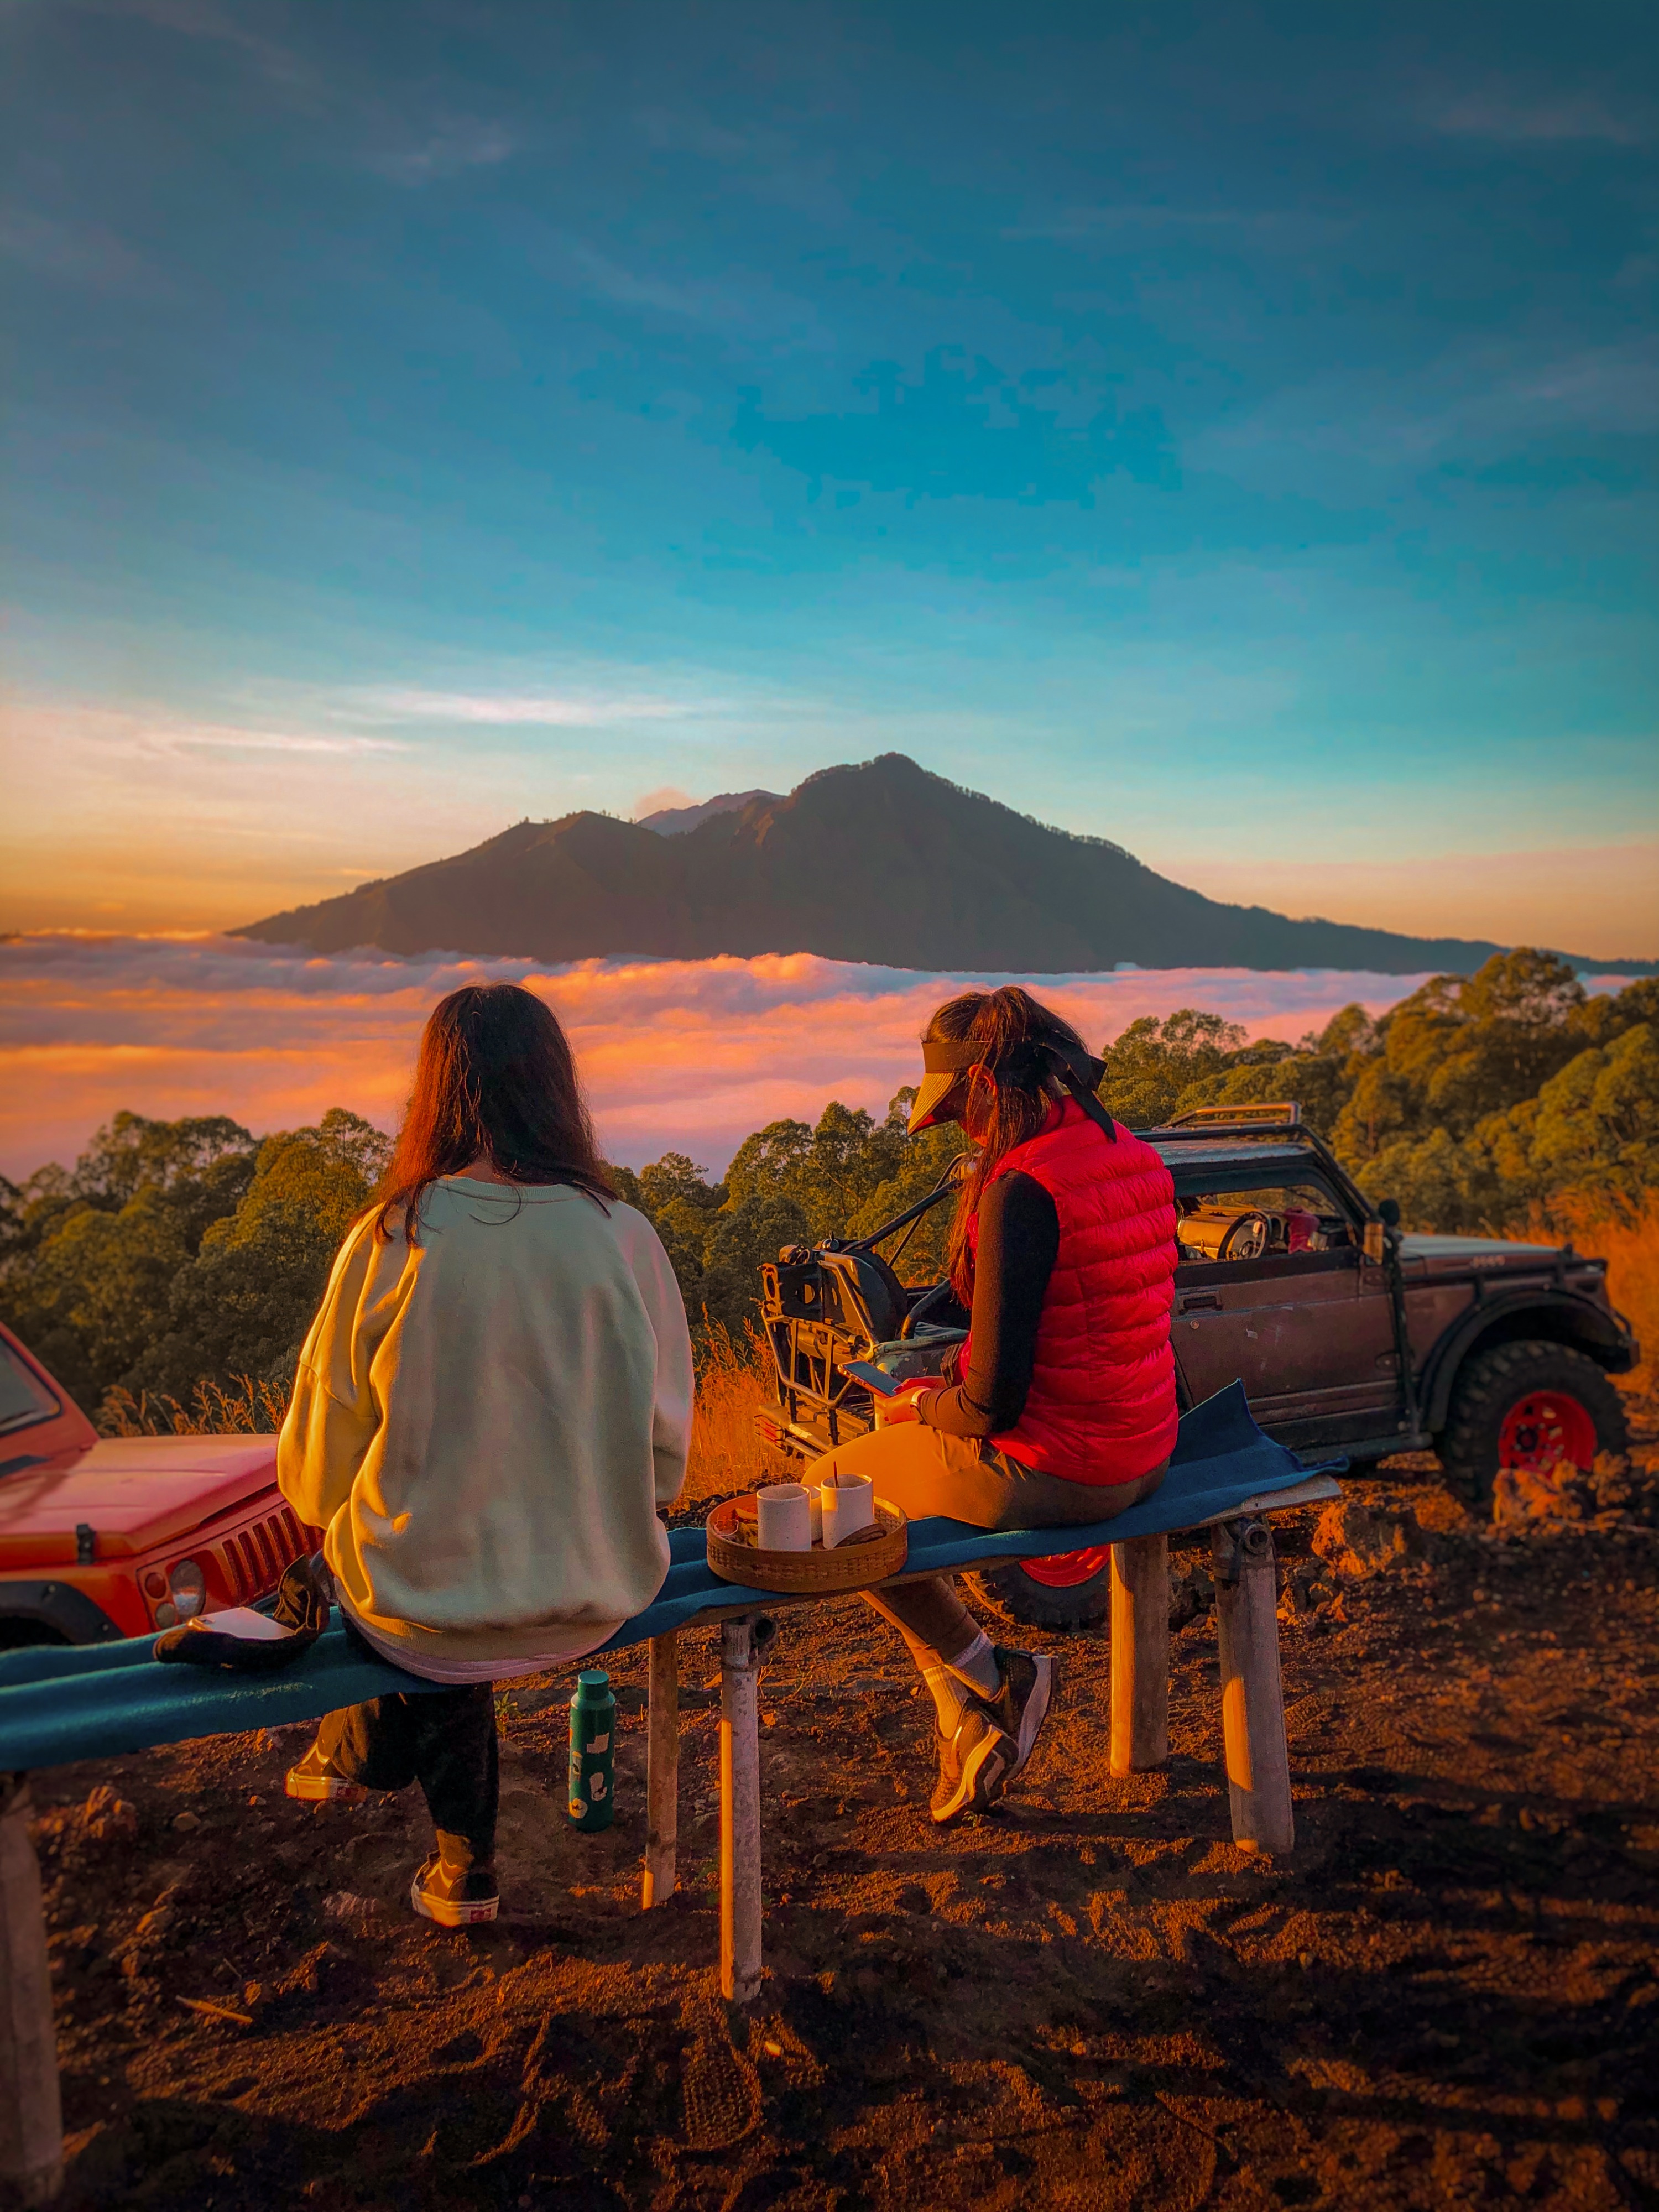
[{"x": 175, "y": 1253}]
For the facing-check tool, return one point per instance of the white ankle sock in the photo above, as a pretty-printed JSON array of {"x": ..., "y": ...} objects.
[
  {"x": 977, "y": 1667},
  {"x": 950, "y": 1698}
]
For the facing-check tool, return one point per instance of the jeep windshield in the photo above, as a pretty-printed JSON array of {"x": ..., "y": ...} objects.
[
  {"x": 1257, "y": 1223},
  {"x": 24, "y": 1399}
]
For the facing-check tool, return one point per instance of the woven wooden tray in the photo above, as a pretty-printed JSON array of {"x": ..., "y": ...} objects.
[{"x": 869, "y": 1556}]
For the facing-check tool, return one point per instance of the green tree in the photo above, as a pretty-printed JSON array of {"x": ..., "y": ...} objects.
[
  {"x": 131, "y": 1154},
  {"x": 244, "y": 1304},
  {"x": 1465, "y": 1046},
  {"x": 769, "y": 1162},
  {"x": 742, "y": 1237},
  {"x": 89, "y": 1253},
  {"x": 829, "y": 1170},
  {"x": 175, "y": 1251},
  {"x": 1153, "y": 1062},
  {"x": 1439, "y": 1184},
  {"x": 922, "y": 1161},
  {"x": 1319, "y": 1082},
  {"x": 93, "y": 1295},
  {"x": 1595, "y": 1125},
  {"x": 675, "y": 1179}
]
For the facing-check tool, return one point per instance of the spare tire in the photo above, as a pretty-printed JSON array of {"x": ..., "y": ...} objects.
[{"x": 1527, "y": 1405}]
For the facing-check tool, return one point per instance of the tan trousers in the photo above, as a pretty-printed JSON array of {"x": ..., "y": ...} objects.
[{"x": 924, "y": 1472}]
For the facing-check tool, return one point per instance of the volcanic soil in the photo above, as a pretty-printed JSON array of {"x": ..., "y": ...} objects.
[{"x": 1449, "y": 1994}]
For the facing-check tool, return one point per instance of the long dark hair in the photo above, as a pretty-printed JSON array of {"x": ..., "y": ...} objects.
[
  {"x": 1006, "y": 1100},
  {"x": 496, "y": 1079}
]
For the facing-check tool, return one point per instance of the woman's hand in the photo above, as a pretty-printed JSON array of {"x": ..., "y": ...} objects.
[{"x": 903, "y": 1406}]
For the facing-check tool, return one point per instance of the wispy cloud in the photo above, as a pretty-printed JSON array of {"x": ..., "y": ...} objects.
[
  {"x": 411, "y": 149},
  {"x": 446, "y": 149},
  {"x": 692, "y": 300},
  {"x": 743, "y": 302},
  {"x": 215, "y": 738},
  {"x": 553, "y": 710},
  {"x": 152, "y": 734},
  {"x": 1475, "y": 400},
  {"x": 685, "y": 131},
  {"x": 222, "y": 25},
  {"x": 78, "y": 252},
  {"x": 1508, "y": 116}
]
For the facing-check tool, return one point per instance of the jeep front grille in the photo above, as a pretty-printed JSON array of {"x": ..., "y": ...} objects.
[{"x": 252, "y": 1559}]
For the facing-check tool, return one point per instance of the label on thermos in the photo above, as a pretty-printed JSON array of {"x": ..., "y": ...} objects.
[{"x": 592, "y": 1760}]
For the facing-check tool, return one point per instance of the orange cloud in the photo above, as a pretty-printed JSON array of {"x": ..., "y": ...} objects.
[{"x": 682, "y": 1054}]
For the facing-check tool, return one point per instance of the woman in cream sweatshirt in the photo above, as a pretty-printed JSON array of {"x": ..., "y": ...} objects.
[{"x": 493, "y": 1403}]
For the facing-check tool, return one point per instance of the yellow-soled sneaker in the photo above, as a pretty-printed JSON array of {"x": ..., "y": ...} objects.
[
  {"x": 314, "y": 1782},
  {"x": 455, "y": 1897},
  {"x": 1021, "y": 1705},
  {"x": 975, "y": 1760}
]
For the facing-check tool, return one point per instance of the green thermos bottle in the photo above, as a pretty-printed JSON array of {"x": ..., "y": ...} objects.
[{"x": 593, "y": 1750}]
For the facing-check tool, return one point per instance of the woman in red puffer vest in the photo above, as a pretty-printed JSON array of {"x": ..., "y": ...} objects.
[{"x": 1059, "y": 1410}]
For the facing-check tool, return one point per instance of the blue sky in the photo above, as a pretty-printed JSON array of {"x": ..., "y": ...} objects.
[{"x": 1229, "y": 430}]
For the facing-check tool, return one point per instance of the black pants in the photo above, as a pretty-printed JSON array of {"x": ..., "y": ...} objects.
[{"x": 444, "y": 1740}]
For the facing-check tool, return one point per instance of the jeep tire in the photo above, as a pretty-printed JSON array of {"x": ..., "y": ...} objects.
[
  {"x": 1494, "y": 1385},
  {"x": 1013, "y": 1594}
]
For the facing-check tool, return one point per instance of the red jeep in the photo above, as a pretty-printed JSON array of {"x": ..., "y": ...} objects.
[{"x": 109, "y": 1536}]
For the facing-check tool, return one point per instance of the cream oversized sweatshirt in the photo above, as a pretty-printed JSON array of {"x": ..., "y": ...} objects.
[{"x": 485, "y": 1422}]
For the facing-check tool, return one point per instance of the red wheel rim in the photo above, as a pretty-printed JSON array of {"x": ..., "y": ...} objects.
[
  {"x": 1544, "y": 1428},
  {"x": 1066, "y": 1569}
]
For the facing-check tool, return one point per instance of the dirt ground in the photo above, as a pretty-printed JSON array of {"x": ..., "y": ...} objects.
[{"x": 1448, "y": 1994}]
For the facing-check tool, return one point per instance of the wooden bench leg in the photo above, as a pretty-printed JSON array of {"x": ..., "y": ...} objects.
[
  {"x": 31, "y": 2112},
  {"x": 741, "y": 1819},
  {"x": 1141, "y": 1654},
  {"x": 1252, "y": 1690},
  {"x": 662, "y": 1770}
]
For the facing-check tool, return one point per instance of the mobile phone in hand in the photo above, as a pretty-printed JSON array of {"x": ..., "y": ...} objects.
[{"x": 873, "y": 1378}]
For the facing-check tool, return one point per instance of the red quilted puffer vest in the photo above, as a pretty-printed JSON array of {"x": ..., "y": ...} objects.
[{"x": 1101, "y": 1407}]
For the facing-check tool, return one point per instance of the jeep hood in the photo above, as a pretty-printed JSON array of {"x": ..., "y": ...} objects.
[
  {"x": 134, "y": 1492},
  {"x": 1440, "y": 1253}
]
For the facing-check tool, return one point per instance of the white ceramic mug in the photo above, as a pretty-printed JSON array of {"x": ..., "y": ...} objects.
[
  {"x": 785, "y": 1518},
  {"x": 849, "y": 1504}
]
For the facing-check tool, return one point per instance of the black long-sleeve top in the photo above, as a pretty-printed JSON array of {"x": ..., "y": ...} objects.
[{"x": 1019, "y": 1244}]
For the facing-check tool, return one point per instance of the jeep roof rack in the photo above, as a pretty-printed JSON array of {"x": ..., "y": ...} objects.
[{"x": 1278, "y": 1113}]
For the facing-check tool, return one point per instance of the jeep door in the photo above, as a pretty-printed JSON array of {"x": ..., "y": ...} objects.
[{"x": 1304, "y": 1321}]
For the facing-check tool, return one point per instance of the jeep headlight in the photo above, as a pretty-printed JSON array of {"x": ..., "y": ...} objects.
[{"x": 188, "y": 1585}]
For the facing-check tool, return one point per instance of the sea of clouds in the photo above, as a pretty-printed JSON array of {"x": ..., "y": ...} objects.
[{"x": 682, "y": 1055}]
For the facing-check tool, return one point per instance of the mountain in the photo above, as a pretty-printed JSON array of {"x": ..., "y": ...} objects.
[
  {"x": 882, "y": 862},
  {"x": 673, "y": 821}
]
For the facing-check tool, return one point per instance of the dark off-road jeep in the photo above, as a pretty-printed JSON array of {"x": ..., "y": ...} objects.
[{"x": 1348, "y": 1336}]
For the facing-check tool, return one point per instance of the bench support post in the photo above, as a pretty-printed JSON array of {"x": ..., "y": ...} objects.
[
  {"x": 1141, "y": 1654},
  {"x": 740, "y": 1818},
  {"x": 662, "y": 1770},
  {"x": 1252, "y": 1691},
  {"x": 31, "y": 2111}
]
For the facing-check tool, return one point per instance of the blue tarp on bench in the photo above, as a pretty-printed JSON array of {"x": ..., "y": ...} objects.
[{"x": 58, "y": 1707}]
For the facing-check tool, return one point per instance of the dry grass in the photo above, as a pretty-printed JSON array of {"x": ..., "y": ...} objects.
[
  {"x": 247, "y": 1409},
  {"x": 726, "y": 1453},
  {"x": 1627, "y": 1239}
]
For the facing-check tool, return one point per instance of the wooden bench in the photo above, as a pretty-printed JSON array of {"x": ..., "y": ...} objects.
[{"x": 59, "y": 1707}]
